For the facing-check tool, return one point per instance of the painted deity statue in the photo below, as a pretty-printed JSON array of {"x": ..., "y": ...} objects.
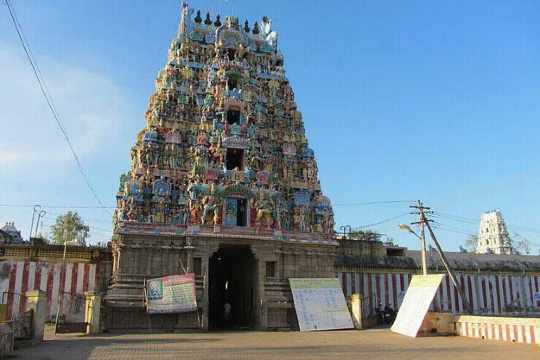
[
  {"x": 223, "y": 88},
  {"x": 210, "y": 208},
  {"x": 265, "y": 211}
]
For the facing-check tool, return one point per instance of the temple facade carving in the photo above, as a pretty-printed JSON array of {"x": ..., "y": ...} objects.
[{"x": 223, "y": 163}]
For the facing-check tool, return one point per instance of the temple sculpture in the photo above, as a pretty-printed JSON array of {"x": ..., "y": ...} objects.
[
  {"x": 222, "y": 165},
  {"x": 224, "y": 143}
]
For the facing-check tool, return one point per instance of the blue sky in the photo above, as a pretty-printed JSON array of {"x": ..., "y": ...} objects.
[{"x": 401, "y": 100}]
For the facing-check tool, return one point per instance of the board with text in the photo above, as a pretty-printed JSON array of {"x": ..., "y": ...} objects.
[
  {"x": 416, "y": 304},
  {"x": 171, "y": 294},
  {"x": 320, "y": 304}
]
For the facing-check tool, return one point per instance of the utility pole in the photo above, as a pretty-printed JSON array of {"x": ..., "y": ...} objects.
[
  {"x": 60, "y": 290},
  {"x": 451, "y": 275},
  {"x": 421, "y": 211},
  {"x": 424, "y": 221}
]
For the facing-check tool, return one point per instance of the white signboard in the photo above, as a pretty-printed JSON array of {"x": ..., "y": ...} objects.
[
  {"x": 416, "y": 304},
  {"x": 320, "y": 304},
  {"x": 171, "y": 294}
]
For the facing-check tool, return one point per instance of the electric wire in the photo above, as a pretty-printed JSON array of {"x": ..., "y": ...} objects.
[
  {"x": 476, "y": 222},
  {"x": 444, "y": 227},
  {"x": 97, "y": 229},
  {"x": 470, "y": 221},
  {"x": 382, "y": 202},
  {"x": 91, "y": 220},
  {"x": 49, "y": 101},
  {"x": 57, "y": 206},
  {"x": 382, "y": 221}
]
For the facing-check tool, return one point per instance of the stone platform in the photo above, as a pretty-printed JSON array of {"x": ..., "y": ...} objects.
[{"x": 367, "y": 344}]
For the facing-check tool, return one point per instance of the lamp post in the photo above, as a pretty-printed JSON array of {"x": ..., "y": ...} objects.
[
  {"x": 41, "y": 214},
  {"x": 34, "y": 210},
  {"x": 344, "y": 228},
  {"x": 423, "y": 245}
]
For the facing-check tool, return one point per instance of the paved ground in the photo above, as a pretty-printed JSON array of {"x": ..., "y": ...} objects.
[{"x": 369, "y": 344}]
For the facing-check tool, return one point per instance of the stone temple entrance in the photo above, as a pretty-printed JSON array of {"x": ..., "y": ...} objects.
[{"x": 232, "y": 288}]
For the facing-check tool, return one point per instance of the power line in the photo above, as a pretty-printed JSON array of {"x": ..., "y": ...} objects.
[
  {"x": 48, "y": 99},
  {"x": 59, "y": 206},
  {"x": 464, "y": 224},
  {"x": 382, "y": 202},
  {"x": 98, "y": 229},
  {"x": 457, "y": 218},
  {"x": 85, "y": 218},
  {"x": 382, "y": 221},
  {"x": 471, "y": 221},
  {"x": 453, "y": 230},
  {"x": 446, "y": 228}
]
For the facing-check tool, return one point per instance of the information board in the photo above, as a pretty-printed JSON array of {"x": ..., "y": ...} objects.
[
  {"x": 416, "y": 302},
  {"x": 171, "y": 294},
  {"x": 537, "y": 296},
  {"x": 320, "y": 304}
]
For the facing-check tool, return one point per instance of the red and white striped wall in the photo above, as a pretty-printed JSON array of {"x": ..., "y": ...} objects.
[
  {"x": 52, "y": 278},
  {"x": 377, "y": 289},
  {"x": 520, "y": 330},
  {"x": 486, "y": 292}
]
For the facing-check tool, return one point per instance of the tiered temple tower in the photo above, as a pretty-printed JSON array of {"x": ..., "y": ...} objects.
[
  {"x": 222, "y": 182},
  {"x": 493, "y": 236}
]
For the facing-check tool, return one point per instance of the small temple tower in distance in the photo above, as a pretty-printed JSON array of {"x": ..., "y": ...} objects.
[
  {"x": 493, "y": 236},
  {"x": 222, "y": 183}
]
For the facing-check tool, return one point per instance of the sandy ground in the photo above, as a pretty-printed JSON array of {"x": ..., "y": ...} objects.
[{"x": 367, "y": 344}]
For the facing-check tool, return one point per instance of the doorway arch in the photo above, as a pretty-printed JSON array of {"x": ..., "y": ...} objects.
[{"x": 232, "y": 288}]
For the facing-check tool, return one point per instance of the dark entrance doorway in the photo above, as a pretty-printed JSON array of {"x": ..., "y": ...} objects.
[
  {"x": 234, "y": 159},
  {"x": 232, "y": 296}
]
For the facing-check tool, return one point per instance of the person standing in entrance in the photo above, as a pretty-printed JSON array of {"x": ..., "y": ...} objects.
[{"x": 227, "y": 312}]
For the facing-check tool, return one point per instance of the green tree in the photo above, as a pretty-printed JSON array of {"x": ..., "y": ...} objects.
[
  {"x": 368, "y": 235},
  {"x": 69, "y": 227},
  {"x": 471, "y": 243}
]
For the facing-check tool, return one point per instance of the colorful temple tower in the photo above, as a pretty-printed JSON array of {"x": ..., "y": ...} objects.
[{"x": 222, "y": 183}]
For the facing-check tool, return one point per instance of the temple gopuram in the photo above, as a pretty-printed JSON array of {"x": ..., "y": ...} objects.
[{"x": 222, "y": 183}]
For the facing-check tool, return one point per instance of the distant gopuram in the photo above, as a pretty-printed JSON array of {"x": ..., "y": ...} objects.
[
  {"x": 493, "y": 237},
  {"x": 222, "y": 183}
]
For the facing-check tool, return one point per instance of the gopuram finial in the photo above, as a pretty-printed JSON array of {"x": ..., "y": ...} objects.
[
  {"x": 184, "y": 14},
  {"x": 207, "y": 21},
  {"x": 217, "y": 23},
  {"x": 198, "y": 18}
]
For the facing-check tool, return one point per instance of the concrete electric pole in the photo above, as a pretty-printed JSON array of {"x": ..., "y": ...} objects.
[
  {"x": 421, "y": 212},
  {"x": 424, "y": 221}
]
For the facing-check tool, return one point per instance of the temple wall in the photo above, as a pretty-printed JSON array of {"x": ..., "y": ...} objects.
[
  {"x": 488, "y": 292},
  {"x": 25, "y": 268},
  {"x": 143, "y": 257}
]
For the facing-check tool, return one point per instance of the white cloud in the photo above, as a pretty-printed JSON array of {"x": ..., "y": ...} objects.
[{"x": 92, "y": 108}]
